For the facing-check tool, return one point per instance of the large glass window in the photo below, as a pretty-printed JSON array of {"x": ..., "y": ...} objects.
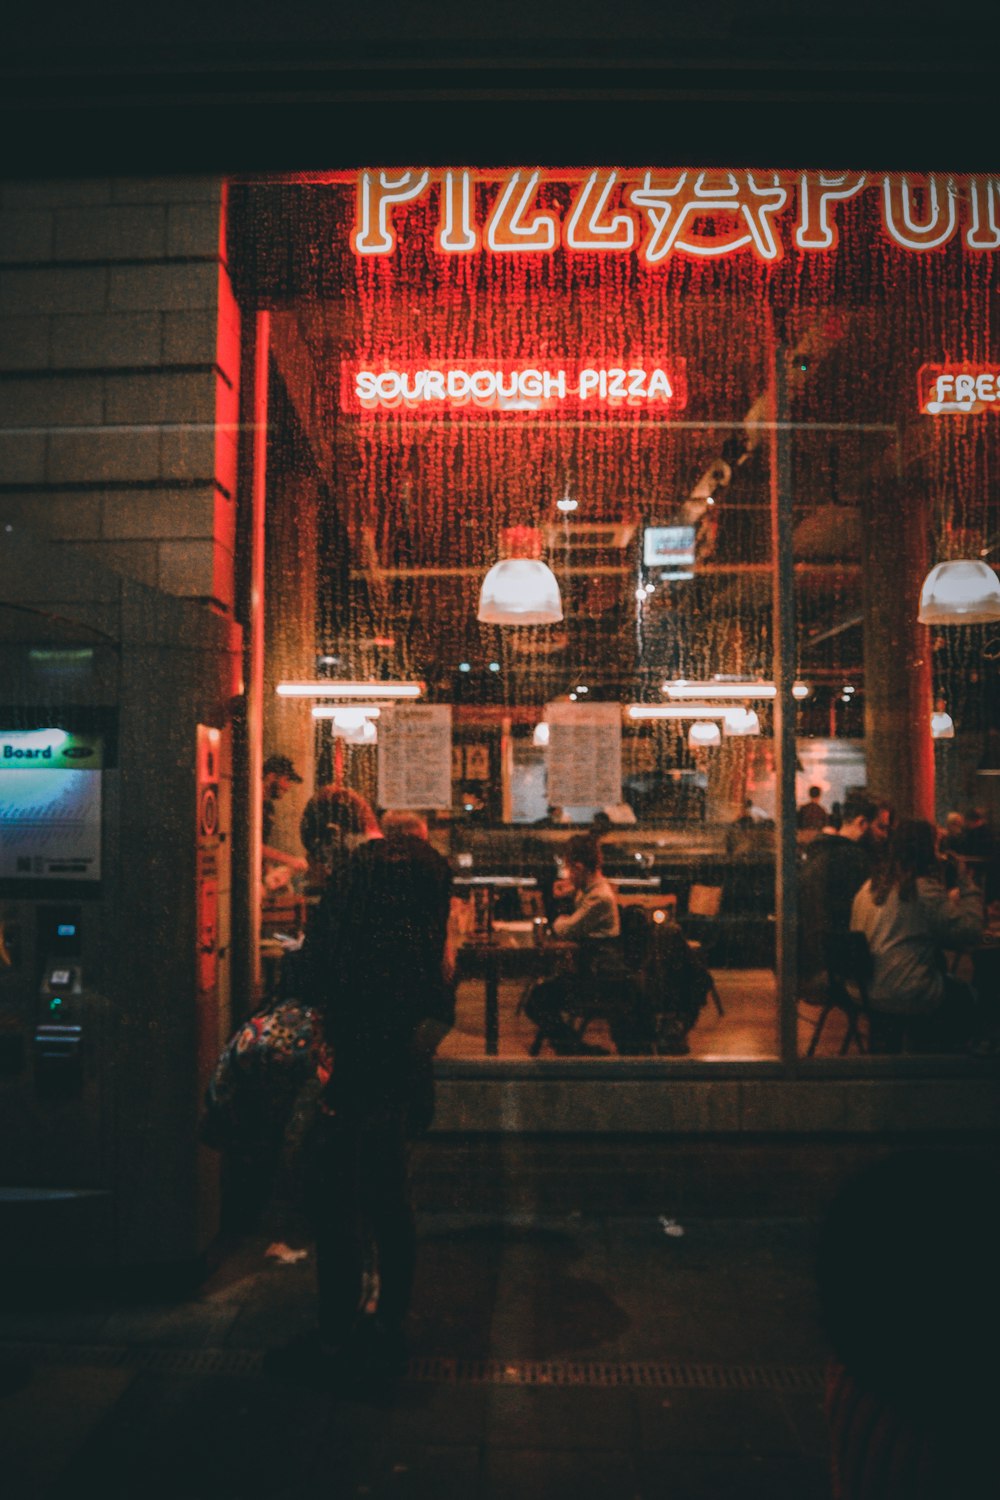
[{"x": 672, "y": 392}]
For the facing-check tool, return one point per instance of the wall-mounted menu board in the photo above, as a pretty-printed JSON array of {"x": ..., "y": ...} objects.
[
  {"x": 414, "y": 756},
  {"x": 584, "y": 754}
]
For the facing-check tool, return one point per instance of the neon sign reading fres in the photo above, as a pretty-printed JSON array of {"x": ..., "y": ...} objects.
[
  {"x": 484, "y": 386},
  {"x": 658, "y": 213},
  {"x": 958, "y": 389}
]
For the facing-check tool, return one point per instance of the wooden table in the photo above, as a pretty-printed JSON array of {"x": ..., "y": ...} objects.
[{"x": 487, "y": 955}]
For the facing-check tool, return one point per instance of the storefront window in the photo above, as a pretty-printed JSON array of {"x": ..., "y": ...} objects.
[{"x": 665, "y": 388}]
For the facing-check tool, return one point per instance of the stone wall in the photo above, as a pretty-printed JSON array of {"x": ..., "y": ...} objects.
[{"x": 119, "y": 376}]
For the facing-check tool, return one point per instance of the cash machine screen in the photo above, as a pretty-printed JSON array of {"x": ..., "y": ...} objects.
[{"x": 50, "y": 805}]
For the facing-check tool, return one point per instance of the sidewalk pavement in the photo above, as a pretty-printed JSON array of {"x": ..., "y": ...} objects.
[{"x": 574, "y": 1356}]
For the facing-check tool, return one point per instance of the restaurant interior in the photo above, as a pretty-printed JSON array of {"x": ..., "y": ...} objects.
[{"x": 793, "y": 447}]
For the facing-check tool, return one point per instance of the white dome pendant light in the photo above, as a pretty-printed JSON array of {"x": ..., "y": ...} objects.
[
  {"x": 520, "y": 589},
  {"x": 963, "y": 592}
]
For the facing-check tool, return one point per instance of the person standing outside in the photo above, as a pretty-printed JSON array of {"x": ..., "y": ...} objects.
[{"x": 376, "y": 966}]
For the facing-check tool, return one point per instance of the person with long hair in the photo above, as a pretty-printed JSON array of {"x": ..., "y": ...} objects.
[{"x": 910, "y": 919}]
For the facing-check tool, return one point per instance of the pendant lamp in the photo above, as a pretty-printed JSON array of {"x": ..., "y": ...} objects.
[
  {"x": 963, "y": 592},
  {"x": 703, "y": 734},
  {"x": 942, "y": 726},
  {"x": 740, "y": 721},
  {"x": 520, "y": 589}
]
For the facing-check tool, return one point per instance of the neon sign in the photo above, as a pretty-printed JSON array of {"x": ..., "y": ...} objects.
[
  {"x": 656, "y": 214},
  {"x": 958, "y": 389},
  {"x": 484, "y": 386}
]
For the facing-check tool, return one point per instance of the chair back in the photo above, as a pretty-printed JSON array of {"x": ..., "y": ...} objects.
[
  {"x": 635, "y": 932},
  {"x": 704, "y": 900}
]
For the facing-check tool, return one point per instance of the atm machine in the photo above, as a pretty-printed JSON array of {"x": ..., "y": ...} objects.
[{"x": 115, "y": 857}]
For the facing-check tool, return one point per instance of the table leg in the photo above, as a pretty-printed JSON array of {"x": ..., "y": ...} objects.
[{"x": 492, "y": 1005}]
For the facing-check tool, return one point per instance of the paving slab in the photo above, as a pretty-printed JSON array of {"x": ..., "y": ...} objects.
[{"x": 553, "y": 1355}]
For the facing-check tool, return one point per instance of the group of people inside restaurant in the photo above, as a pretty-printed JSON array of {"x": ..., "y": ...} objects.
[
  {"x": 899, "y": 904},
  {"x": 908, "y": 912}
]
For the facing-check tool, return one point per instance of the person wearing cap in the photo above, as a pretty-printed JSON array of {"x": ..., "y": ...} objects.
[{"x": 278, "y": 775}]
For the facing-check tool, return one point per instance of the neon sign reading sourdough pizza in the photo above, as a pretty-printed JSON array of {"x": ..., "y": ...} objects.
[
  {"x": 656, "y": 385},
  {"x": 656, "y": 214}
]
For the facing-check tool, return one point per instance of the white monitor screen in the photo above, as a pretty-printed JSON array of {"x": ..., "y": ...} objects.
[{"x": 668, "y": 547}]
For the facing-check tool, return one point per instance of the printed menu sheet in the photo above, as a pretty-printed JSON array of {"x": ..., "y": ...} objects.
[
  {"x": 414, "y": 756},
  {"x": 584, "y": 754}
]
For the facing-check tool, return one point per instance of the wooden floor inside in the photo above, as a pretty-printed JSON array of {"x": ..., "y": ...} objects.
[{"x": 747, "y": 1031}]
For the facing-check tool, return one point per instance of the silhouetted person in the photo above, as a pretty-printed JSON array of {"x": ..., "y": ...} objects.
[
  {"x": 375, "y": 963},
  {"x": 836, "y": 867},
  {"x": 811, "y": 816},
  {"x": 907, "y": 1284}
]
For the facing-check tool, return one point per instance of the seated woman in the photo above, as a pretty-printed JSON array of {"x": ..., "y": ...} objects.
[
  {"x": 909, "y": 918},
  {"x": 600, "y": 981}
]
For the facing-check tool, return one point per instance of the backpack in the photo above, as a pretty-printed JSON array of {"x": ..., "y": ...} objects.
[{"x": 264, "y": 1093}]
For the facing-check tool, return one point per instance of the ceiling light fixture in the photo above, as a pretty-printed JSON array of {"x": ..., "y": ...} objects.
[
  {"x": 703, "y": 734},
  {"x": 741, "y": 721},
  {"x": 640, "y": 711},
  {"x": 963, "y": 592},
  {"x": 728, "y": 688},
  {"x": 347, "y": 716},
  {"x": 344, "y": 689},
  {"x": 353, "y": 723},
  {"x": 942, "y": 726},
  {"x": 520, "y": 589}
]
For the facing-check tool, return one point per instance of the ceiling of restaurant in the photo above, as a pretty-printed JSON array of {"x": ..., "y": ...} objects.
[{"x": 415, "y": 508}]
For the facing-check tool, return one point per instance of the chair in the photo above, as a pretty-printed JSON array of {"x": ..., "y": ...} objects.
[
  {"x": 669, "y": 969},
  {"x": 848, "y": 968},
  {"x": 701, "y": 917},
  {"x": 605, "y": 985}
]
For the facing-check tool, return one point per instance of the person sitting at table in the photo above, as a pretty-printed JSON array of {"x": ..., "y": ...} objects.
[
  {"x": 909, "y": 918},
  {"x": 835, "y": 868},
  {"x": 593, "y": 924}
]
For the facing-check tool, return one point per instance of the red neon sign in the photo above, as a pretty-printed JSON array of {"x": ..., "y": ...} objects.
[
  {"x": 958, "y": 390},
  {"x": 658, "y": 213},
  {"x": 482, "y": 386}
]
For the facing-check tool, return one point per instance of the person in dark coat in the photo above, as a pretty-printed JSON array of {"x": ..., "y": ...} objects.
[
  {"x": 836, "y": 867},
  {"x": 376, "y": 966}
]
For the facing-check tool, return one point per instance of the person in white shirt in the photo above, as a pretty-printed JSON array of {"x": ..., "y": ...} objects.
[
  {"x": 593, "y": 924},
  {"x": 910, "y": 919}
]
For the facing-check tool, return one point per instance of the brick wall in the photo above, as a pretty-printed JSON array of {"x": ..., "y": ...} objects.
[{"x": 119, "y": 365}]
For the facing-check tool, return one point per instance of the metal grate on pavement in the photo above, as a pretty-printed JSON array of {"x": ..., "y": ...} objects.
[
  {"x": 562, "y": 1374},
  {"x": 608, "y": 1374}
]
